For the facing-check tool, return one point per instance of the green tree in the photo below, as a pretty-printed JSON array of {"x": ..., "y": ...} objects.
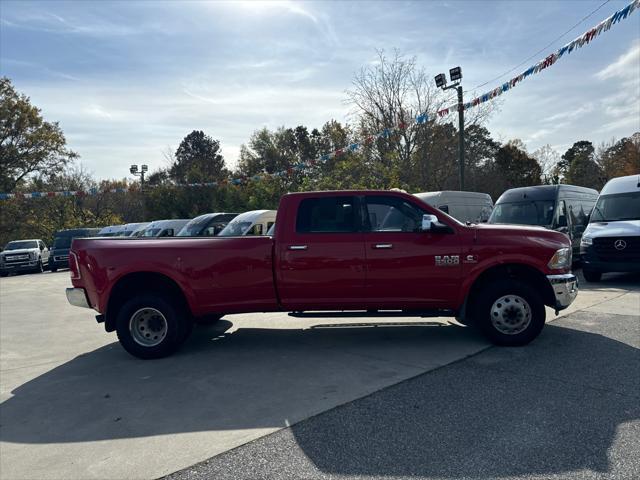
[
  {"x": 28, "y": 144},
  {"x": 514, "y": 168},
  {"x": 198, "y": 159},
  {"x": 620, "y": 158},
  {"x": 578, "y": 166}
]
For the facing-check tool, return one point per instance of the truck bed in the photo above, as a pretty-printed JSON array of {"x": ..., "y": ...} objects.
[{"x": 216, "y": 274}]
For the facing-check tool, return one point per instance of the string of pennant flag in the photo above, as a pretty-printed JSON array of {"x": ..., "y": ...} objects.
[{"x": 422, "y": 118}]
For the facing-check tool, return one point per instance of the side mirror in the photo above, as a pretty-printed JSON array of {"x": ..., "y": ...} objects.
[
  {"x": 42, "y": 248},
  {"x": 428, "y": 222}
]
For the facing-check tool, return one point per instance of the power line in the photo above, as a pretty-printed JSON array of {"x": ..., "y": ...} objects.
[{"x": 542, "y": 49}]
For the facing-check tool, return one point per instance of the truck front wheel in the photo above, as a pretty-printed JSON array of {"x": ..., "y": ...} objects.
[
  {"x": 509, "y": 313},
  {"x": 151, "y": 326}
]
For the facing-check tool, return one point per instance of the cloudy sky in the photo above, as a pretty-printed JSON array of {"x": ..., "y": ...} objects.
[{"x": 126, "y": 80}]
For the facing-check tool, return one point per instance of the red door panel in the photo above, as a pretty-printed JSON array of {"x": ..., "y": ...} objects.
[
  {"x": 326, "y": 271},
  {"x": 403, "y": 273},
  {"x": 406, "y": 267},
  {"x": 320, "y": 256}
]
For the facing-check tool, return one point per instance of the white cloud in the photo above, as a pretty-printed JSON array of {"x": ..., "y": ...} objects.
[{"x": 627, "y": 66}]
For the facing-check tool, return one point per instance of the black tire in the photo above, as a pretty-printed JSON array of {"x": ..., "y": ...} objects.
[
  {"x": 486, "y": 307},
  {"x": 591, "y": 276},
  {"x": 4, "y": 274},
  {"x": 39, "y": 267},
  {"x": 53, "y": 269},
  {"x": 208, "y": 319},
  {"x": 175, "y": 331}
]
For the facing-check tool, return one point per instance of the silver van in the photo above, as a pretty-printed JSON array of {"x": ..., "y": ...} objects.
[
  {"x": 611, "y": 241},
  {"x": 463, "y": 206}
]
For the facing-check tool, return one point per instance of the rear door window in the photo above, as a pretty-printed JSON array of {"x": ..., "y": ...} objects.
[{"x": 327, "y": 215}]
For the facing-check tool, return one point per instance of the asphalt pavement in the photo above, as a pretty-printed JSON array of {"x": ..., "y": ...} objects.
[
  {"x": 270, "y": 395},
  {"x": 567, "y": 406}
]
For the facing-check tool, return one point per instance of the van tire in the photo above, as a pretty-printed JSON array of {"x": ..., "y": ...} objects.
[
  {"x": 591, "y": 276},
  {"x": 147, "y": 314},
  {"x": 53, "y": 269},
  {"x": 508, "y": 313}
]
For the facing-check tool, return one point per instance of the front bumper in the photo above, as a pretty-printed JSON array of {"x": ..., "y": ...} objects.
[
  {"x": 565, "y": 289},
  {"x": 77, "y": 297},
  {"x": 59, "y": 262},
  {"x": 19, "y": 267}
]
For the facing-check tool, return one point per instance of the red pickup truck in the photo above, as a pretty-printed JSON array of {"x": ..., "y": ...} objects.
[{"x": 341, "y": 250}]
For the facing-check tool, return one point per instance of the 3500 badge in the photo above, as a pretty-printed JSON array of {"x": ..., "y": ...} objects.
[{"x": 447, "y": 260}]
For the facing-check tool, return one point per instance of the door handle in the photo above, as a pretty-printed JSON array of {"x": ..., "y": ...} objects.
[
  {"x": 383, "y": 245},
  {"x": 297, "y": 247}
]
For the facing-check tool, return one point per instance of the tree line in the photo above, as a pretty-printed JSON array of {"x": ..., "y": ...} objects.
[{"x": 34, "y": 156}]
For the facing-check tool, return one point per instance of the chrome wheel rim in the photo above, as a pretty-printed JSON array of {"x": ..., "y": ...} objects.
[
  {"x": 510, "y": 314},
  {"x": 148, "y": 327}
]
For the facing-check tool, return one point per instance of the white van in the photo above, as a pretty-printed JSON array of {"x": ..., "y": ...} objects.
[
  {"x": 111, "y": 231},
  {"x": 164, "y": 228},
  {"x": 611, "y": 241},
  {"x": 255, "y": 222},
  {"x": 463, "y": 206}
]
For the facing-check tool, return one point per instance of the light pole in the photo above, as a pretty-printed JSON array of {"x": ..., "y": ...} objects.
[
  {"x": 134, "y": 171},
  {"x": 441, "y": 81}
]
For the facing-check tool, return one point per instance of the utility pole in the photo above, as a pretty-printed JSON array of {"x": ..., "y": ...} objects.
[
  {"x": 134, "y": 171},
  {"x": 461, "y": 134},
  {"x": 441, "y": 81}
]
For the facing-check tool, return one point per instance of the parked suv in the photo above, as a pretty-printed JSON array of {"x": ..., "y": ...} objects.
[
  {"x": 611, "y": 242},
  {"x": 62, "y": 243},
  {"x": 24, "y": 256}
]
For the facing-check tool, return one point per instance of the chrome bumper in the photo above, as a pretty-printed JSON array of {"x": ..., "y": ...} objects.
[
  {"x": 565, "y": 289},
  {"x": 77, "y": 297}
]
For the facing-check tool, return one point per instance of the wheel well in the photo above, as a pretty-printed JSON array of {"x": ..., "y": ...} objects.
[
  {"x": 516, "y": 271},
  {"x": 140, "y": 282}
]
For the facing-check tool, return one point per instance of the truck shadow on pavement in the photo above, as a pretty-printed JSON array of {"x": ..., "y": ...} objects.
[
  {"x": 549, "y": 407},
  {"x": 554, "y": 407}
]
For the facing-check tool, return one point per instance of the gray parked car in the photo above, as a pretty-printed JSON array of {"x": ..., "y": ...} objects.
[{"x": 24, "y": 255}]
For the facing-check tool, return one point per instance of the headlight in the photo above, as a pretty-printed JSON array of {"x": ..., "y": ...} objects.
[
  {"x": 560, "y": 259},
  {"x": 586, "y": 241},
  {"x": 33, "y": 255}
]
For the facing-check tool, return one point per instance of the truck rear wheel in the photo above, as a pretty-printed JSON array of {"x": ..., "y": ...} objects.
[
  {"x": 152, "y": 326},
  {"x": 509, "y": 313}
]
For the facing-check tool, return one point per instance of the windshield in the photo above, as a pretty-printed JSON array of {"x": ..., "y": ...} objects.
[
  {"x": 538, "y": 212},
  {"x": 235, "y": 229},
  {"x": 21, "y": 245},
  {"x": 613, "y": 208},
  {"x": 62, "y": 242},
  {"x": 193, "y": 229}
]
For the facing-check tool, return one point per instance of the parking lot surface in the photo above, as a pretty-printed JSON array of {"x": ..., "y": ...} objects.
[{"x": 75, "y": 405}]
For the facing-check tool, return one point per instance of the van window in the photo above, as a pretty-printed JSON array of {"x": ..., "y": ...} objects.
[
  {"x": 532, "y": 212},
  {"x": 392, "y": 214},
  {"x": 617, "y": 207},
  {"x": 255, "y": 230},
  {"x": 327, "y": 215}
]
